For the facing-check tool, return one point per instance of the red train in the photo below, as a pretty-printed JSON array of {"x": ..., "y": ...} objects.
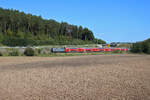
[{"x": 82, "y": 50}]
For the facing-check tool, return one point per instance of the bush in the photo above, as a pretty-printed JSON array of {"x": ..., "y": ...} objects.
[
  {"x": 137, "y": 47},
  {"x": 29, "y": 52},
  {"x": 1, "y": 54},
  {"x": 14, "y": 53},
  {"x": 39, "y": 51},
  {"x": 141, "y": 47},
  {"x": 146, "y": 47}
]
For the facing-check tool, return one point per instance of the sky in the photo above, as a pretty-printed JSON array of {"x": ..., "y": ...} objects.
[{"x": 110, "y": 20}]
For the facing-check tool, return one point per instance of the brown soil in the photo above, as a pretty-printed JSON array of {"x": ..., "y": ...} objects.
[{"x": 99, "y": 77}]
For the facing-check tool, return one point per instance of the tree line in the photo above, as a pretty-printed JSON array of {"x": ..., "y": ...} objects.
[{"x": 21, "y": 29}]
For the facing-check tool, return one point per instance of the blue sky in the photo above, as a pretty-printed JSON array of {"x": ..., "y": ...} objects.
[{"x": 111, "y": 20}]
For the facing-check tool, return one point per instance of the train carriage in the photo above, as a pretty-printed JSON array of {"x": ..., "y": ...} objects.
[{"x": 82, "y": 50}]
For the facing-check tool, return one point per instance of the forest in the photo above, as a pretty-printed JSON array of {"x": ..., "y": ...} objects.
[{"x": 21, "y": 29}]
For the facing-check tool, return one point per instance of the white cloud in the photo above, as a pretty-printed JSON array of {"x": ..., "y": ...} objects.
[
  {"x": 99, "y": 34},
  {"x": 146, "y": 34}
]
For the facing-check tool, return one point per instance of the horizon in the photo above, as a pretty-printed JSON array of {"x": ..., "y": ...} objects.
[{"x": 122, "y": 21}]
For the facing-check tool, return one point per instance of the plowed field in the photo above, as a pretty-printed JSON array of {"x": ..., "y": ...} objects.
[{"x": 94, "y": 77}]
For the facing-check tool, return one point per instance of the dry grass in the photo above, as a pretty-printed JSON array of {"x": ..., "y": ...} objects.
[{"x": 103, "y": 77}]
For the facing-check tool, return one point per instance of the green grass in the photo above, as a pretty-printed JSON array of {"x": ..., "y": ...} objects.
[
  {"x": 77, "y": 54},
  {"x": 38, "y": 54}
]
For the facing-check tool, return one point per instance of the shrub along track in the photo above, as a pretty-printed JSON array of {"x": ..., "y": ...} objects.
[{"x": 94, "y": 77}]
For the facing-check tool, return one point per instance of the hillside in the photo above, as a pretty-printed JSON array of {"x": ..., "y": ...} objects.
[{"x": 21, "y": 29}]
